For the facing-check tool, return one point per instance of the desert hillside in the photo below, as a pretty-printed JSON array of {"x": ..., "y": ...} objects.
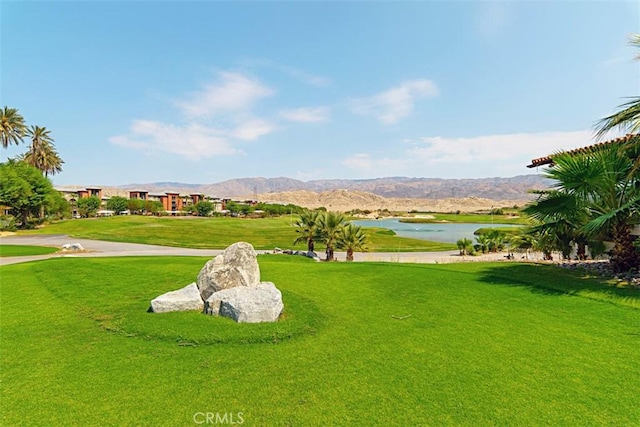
[
  {"x": 498, "y": 189},
  {"x": 346, "y": 200}
]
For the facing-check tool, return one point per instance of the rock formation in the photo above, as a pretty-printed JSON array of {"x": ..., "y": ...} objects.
[
  {"x": 247, "y": 304},
  {"x": 228, "y": 285},
  {"x": 185, "y": 299},
  {"x": 236, "y": 266}
]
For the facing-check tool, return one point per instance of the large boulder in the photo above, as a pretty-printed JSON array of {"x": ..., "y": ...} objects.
[
  {"x": 247, "y": 304},
  {"x": 236, "y": 266},
  {"x": 185, "y": 299}
]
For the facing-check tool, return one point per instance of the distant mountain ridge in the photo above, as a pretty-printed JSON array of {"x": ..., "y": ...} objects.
[{"x": 513, "y": 188}]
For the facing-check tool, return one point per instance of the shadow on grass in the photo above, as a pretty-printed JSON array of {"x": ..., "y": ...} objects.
[{"x": 553, "y": 280}]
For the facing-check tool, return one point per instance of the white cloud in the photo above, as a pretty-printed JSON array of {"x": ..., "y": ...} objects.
[
  {"x": 232, "y": 92},
  {"x": 213, "y": 122},
  {"x": 251, "y": 129},
  {"x": 306, "y": 115},
  {"x": 496, "y": 148},
  {"x": 480, "y": 156},
  {"x": 191, "y": 141},
  {"x": 394, "y": 104}
]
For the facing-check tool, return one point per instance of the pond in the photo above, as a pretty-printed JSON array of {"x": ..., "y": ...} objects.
[{"x": 447, "y": 232}]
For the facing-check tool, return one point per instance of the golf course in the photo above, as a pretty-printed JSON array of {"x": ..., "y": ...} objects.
[{"x": 363, "y": 343}]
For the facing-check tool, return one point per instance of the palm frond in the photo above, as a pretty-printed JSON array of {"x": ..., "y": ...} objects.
[{"x": 626, "y": 120}]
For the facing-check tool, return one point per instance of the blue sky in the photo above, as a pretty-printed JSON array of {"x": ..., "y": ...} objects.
[{"x": 202, "y": 92}]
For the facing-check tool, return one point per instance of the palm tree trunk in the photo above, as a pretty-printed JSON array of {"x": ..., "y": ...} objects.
[
  {"x": 349, "y": 254},
  {"x": 624, "y": 255},
  {"x": 311, "y": 245},
  {"x": 329, "y": 253}
]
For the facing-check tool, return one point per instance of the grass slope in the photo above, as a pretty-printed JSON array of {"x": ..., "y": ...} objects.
[
  {"x": 484, "y": 344},
  {"x": 25, "y": 250},
  {"x": 216, "y": 233}
]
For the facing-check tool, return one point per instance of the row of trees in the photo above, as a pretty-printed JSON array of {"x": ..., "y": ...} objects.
[{"x": 333, "y": 230}]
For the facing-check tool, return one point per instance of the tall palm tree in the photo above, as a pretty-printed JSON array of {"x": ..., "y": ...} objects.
[
  {"x": 307, "y": 227},
  {"x": 42, "y": 153},
  {"x": 331, "y": 224},
  {"x": 353, "y": 238},
  {"x": 607, "y": 185},
  {"x": 12, "y": 127}
]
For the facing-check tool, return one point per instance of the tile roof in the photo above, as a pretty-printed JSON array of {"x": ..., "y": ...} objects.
[{"x": 548, "y": 160}]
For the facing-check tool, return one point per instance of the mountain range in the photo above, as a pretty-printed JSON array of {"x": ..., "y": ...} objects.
[{"x": 513, "y": 188}]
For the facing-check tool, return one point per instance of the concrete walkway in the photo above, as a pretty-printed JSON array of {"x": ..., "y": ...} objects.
[
  {"x": 95, "y": 248},
  {"x": 98, "y": 248}
]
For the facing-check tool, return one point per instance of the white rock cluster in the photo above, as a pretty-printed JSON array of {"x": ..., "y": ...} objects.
[{"x": 228, "y": 285}]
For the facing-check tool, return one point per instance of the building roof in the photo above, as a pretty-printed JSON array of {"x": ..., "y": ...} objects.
[{"x": 548, "y": 160}]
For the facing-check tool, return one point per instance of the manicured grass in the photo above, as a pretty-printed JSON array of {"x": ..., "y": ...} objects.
[
  {"x": 469, "y": 218},
  {"x": 215, "y": 233},
  {"x": 24, "y": 250},
  {"x": 360, "y": 344},
  {"x": 506, "y": 230}
]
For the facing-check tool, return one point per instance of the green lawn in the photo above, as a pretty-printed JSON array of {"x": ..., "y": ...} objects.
[
  {"x": 24, "y": 250},
  {"x": 216, "y": 233},
  {"x": 360, "y": 344}
]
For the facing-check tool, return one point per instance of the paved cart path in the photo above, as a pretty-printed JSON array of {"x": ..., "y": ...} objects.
[{"x": 99, "y": 248}]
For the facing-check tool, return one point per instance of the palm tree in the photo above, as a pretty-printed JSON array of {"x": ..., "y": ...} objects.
[
  {"x": 607, "y": 185},
  {"x": 496, "y": 239},
  {"x": 522, "y": 242},
  {"x": 561, "y": 216},
  {"x": 12, "y": 127},
  {"x": 42, "y": 153},
  {"x": 464, "y": 246},
  {"x": 330, "y": 226},
  {"x": 307, "y": 227},
  {"x": 353, "y": 238},
  {"x": 483, "y": 243}
]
